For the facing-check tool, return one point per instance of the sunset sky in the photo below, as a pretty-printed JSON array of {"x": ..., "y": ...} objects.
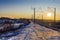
[{"x": 24, "y": 8}]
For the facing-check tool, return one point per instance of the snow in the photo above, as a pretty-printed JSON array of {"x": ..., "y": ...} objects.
[
  {"x": 32, "y": 32},
  {"x": 16, "y": 25}
]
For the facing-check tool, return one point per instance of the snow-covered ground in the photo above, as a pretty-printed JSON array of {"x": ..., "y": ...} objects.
[{"x": 31, "y": 32}]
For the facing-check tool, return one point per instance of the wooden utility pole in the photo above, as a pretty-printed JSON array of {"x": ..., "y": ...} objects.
[
  {"x": 54, "y": 15},
  {"x": 42, "y": 18},
  {"x": 34, "y": 15}
]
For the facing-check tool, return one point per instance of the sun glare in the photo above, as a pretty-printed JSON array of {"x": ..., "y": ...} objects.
[{"x": 49, "y": 14}]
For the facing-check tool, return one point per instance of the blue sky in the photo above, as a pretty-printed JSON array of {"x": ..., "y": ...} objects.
[{"x": 7, "y": 7}]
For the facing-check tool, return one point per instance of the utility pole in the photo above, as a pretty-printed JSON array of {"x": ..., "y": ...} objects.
[
  {"x": 34, "y": 15},
  {"x": 42, "y": 18},
  {"x": 54, "y": 15},
  {"x": 41, "y": 15}
]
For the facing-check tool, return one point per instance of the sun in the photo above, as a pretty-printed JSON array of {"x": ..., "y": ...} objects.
[{"x": 49, "y": 14}]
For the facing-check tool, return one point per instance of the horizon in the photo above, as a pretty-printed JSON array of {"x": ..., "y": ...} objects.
[{"x": 30, "y": 18}]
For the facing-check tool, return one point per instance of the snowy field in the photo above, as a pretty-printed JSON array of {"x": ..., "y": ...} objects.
[{"x": 31, "y": 32}]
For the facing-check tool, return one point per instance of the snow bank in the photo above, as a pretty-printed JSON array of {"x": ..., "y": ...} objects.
[
  {"x": 17, "y": 25},
  {"x": 35, "y": 32}
]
